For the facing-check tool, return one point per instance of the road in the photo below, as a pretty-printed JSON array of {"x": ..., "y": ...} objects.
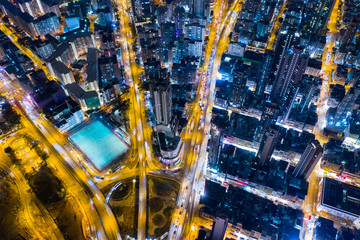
[
  {"x": 196, "y": 137},
  {"x": 309, "y": 206},
  {"x": 141, "y": 131},
  {"x": 66, "y": 160}
]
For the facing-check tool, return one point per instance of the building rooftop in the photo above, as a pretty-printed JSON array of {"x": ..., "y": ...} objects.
[
  {"x": 17, "y": 12},
  {"x": 59, "y": 50},
  {"x": 23, "y": 1},
  {"x": 80, "y": 93},
  {"x": 60, "y": 67},
  {"x": 92, "y": 67},
  {"x": 44, "y": 17},
  {"x": 51, "y": 3},
  {"x": 75, "y": 89},
  {"x": 341, "y": 196},
  {"x": 66, "y": 44}
]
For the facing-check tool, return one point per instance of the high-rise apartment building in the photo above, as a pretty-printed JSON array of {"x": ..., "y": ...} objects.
[
  {"x": 291, "y": 69},
  {"x": 308, "y": 160},
  {"x": 32, "y": 7},
  {"x": 195, "y": 31},
  {"x": 264, "y": 76},
  {"x": 162, "y": 103},
  {"x": 49, "y": 6},
  {"x": 268, "y": 144},
  {"x": 92, "y": 70},
  {"x": 239, "y": 89},
  {"x": 47, "y": 24},
  {"x": 198, "y": 8},
  {"x": 219, "y": 228},
  {"x": 268, "y": 117}
]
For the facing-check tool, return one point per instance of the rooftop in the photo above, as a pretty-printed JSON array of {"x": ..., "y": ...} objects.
[
  {"x": 341, "y": 196},
  {"x": 92, "y": 67}
]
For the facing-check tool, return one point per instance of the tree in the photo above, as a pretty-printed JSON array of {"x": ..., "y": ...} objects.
[
  {"x": 158, "y": 220},
  {"x": 145, "y": 86},
  {"x": 147, "y": 114},
  {"x": 5, "y": 19},
  {"x": 125, "y": 89},
  {"x": 11, "y": 116},
  {"x": 11, "y": 153},
  {"x": 8, "y": 150},
  {"x": 44, "y": 156},
  {"x": 156, "y": 204}
]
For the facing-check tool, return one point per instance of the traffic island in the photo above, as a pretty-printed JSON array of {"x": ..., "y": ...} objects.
[
  {"x": 162, "y": 197},
  {"x": 68, "y": 218},
  {"x": 122, "y": 199}
]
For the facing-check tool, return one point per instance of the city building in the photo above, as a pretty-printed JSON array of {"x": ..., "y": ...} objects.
[
  {"x": 72, "y": 47},
  {"x": 324, "y": 229},
  {"x": 195, "y": 31},
  {"x": 239, "y": 89},
  {"x": 264, "y": 76},
  {"x": 218, "y": 228},
  {"x": 65, "y": 115},
  {"x": 338, "y": 118},
  {"x": 268, "y": 117},
  {"x": 45, "y": 94},
  {"x": 64, "y": 74},
  {"x": 92, "y": 70},
  {"x": 109, "y": 76},
  {"x": 49, "y": 6},
  {"x": 236, "y": 49},
  {"x": 195, "y": 48},
  {"x": 47, "y": 24},
  {"x": 169, "y": 143},
  {"x": 32, "y": 7},
  {"x": 291, "y": 69},
  {"x": 308, "y": 160},
  {"x": 105, "y": 17},
  {"x": 262, "y": 28},
  {"x": 198, "y": 8},
  {"x": 162, "y": 103},
  {"x": 23, "y": 20},
  {"x": 88, "y": 100},
  {"x": 45, "y": 48},
  {"x": 313, "y": 68},
  {"x": 339, "y": 199},
  {"x": 267, "y": 145}
]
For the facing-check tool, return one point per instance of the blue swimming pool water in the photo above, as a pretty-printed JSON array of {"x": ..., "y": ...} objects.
[{"x": 98, "y": 143}]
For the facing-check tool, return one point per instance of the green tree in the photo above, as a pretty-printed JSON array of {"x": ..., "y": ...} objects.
[{"x": 11, "y": 153}]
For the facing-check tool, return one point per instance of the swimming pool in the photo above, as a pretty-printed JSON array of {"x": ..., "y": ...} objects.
[{"x": 98, "y": 143}]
